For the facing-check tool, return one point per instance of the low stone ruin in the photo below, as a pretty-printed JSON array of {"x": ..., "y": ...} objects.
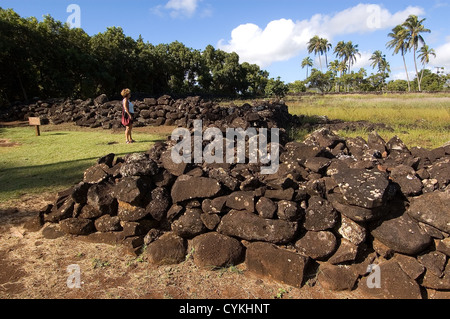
[
  {"x": 338, "y": 212},
  {"x": 167, "y": 111}
]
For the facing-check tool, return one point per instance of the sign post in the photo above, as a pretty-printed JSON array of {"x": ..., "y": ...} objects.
[{"x": 36, "y": 121}]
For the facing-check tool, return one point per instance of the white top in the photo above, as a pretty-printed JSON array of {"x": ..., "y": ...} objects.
[{"x": 131, "y": 108}]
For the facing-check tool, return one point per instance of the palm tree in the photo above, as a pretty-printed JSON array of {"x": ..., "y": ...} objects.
[
  {"x": 399, "y": 43},
  {"x": 377, "y": 59},
  {"x": 326, "y": 47},
  {"x": 315, "y": 45},
  {"x": 415, "y": 27},
  {"x": 350, "y": 53},
  {"x": 343, "y": 67},
  {"x": 307, "y": 63},
  {"x": 339, "y": 50},
  {"x": 424, "y": 56}
]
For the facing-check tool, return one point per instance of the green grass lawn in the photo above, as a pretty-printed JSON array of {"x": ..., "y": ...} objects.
[
  {"x": 418, "y": 119},
  {"x": 57, "y": 159}
]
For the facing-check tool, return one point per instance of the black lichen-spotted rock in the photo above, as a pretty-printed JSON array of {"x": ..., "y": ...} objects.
[{"x": 362, "y": 187}]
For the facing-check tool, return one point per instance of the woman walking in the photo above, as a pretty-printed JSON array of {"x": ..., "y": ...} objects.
[{"x": 127, "y": 115}]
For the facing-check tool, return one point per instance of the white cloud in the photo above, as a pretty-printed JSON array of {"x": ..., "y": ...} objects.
[
  {"x": 178, "y": 8},
  {"x": 363, "y": 62},
  {"x": 442, "y": 57},
  {"x": 284, "y": 39}
]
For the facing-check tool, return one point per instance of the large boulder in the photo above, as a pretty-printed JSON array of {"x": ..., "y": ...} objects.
[
  {"x": 133, "y": 189},
  {"x": 317, "y": 245},
  {"x": 362, "y": 187},
  {"x": 320, "y": 215},
  {"x": 77, "y": 226},
  {"x": 166, "y": 250},
  {"x": 189, "y": 224},
  {"x": 432, "y": 209},
  {"x": 393, "y": 283},
  {"x": 138, "y": 165},
  {"x": 252, "y": 227},
  {"x": 402, "y": 234},
  {"x": 270, "y": 261},
  {"x": 214, "y": 250},
  {"x": 189, "y": 187}
]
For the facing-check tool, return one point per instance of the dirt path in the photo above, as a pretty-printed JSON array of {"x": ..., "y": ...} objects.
[{"x": 34, "y": 265}]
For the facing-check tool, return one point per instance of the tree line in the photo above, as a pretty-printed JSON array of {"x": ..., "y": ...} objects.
[
  {"x": 49, "y": 59},
  {"x": 339, "y": 76}
]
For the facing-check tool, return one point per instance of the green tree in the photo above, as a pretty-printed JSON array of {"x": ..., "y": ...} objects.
[
  {"x": 415, "y": 28},
  {"x": 425, "y": 53},
  {"x": 322, "y": 81},
  {"x": 307, "y": 63},
  {"x": 315, "y": 45},
  {"x": 399, "y": 43},
  {"x": 398, "y": 86},
  {"x": 297, "y": 87},
  {"x": 351, "y": 52},
  {"x": 276, "y": 88},
  {"x": 326, "y": 47}
]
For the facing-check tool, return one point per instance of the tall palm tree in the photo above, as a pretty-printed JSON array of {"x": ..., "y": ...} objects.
[
  {"x": 399, "y": 43},
  {"x": 351, "y": 51},
  {"x": 326, "y": 47},
  {"x": 307, "y": 63},
  {"x": 339, "y": 50},
  {"x": 425, "y": 53},
  {"x": 315, "y": 45},
  {"x": 377, "y": 59},
  {"x": 415, "y": 28}
]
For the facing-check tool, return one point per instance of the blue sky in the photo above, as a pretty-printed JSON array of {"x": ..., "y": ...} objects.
[{"x": 270, "y": 33}]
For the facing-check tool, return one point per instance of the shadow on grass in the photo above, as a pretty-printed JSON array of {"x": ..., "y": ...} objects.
[{"x": 17, "y": 181}]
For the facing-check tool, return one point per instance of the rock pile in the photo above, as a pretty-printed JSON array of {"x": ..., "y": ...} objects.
[
  {"x": 338, "y": 211},
  {"x": 165, "y": 110},
  {"x": 100, "y": 112}
]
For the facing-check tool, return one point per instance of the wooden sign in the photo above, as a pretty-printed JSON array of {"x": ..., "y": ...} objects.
[{"x": 36, "y": 121}]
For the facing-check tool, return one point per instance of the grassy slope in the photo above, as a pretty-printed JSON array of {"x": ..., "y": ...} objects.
[
  {"x": 57, "y": 159},
  {"x": 418, "y": 119}
]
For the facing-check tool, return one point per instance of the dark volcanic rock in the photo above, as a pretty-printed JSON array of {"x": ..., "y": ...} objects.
[
  {"x": 241, "y": 201},
  {"x": 394, "y": 283},
  {"x": 405, "y": 176},
  {"x": 159, "y": 204},
  {"x": 133, "y": 190},
  {"x": 100, "y": 197},
  {"x": 356, "y": 213},
  {"x": 189, "y": 224},
  {"x": 138, "y": 165},
  {"x": 402, "y": 234},
  {"x": 320, "y": 215},
  {"x": 77, "y": 226},
  {"x": 213, "y": 250},
  {"x": 288, "y": 210},
  {"x": 317, "y": 245},
  {"x": 268, "y": 260},
  {"x": 107, "y": 223},
  {"x": 166, "y": 250},
  {"x": 361, "y": 187},
  {"x": 432, "y": 209},
  {"x": 96, "y": 174},
  {"x": 188, "y": 187},
  {"x": 266, "y": 208},
  {"x": 251, "y": 227}
]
